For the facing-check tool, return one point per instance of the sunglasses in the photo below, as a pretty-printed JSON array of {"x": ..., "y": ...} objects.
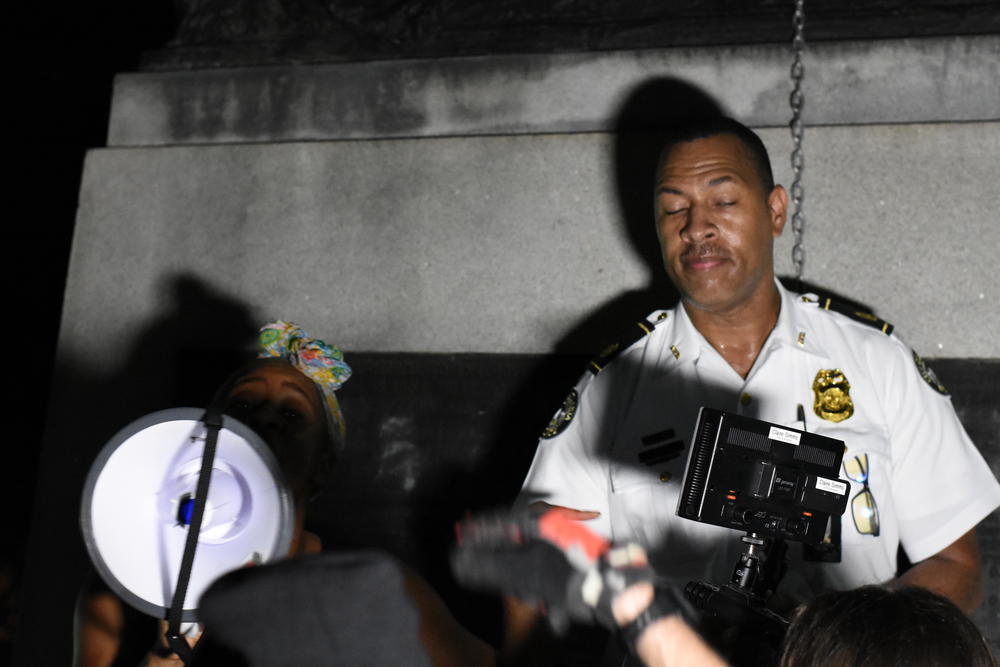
[{"x": 863, "y": 506}]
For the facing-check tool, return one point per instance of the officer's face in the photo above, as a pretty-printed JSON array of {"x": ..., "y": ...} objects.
[{"x": 715, "y": 223}]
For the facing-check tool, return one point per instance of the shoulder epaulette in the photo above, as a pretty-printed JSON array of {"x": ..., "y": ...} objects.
[
  {"x": 632, "y": 334},
  {"x": 856, "y": 314}
]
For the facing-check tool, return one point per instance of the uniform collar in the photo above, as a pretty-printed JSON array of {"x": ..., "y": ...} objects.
[
  {"x": 687, "y": 341},
  {"x": 793, "y": 327},
  {"x": 790, "y": 330}
]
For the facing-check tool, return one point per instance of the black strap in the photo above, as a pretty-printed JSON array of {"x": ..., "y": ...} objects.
[{"x": 176, "y": 641}]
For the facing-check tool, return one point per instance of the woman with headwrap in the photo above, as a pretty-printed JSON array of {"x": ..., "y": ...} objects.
[{"x": 287, "y": 395}]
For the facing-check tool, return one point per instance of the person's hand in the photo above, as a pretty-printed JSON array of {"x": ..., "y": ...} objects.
[
  {"x": 162, "y": 656},
  {"x": 547, "y": 556},
  {"x": 631, "y": 602},
  {"x": 666, "y": 640},
  {"x": 540, "y": 506}
]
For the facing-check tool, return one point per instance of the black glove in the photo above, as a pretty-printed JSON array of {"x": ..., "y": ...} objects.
[
  {"x": 504, "y": 554},
  {"x": 551, "y": 559}
]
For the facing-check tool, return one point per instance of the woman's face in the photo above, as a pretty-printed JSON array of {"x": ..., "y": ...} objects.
[{"x": 283, "y": 406}]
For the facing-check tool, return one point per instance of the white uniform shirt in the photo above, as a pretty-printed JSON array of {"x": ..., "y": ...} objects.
[{"x": 624, "y": 451}]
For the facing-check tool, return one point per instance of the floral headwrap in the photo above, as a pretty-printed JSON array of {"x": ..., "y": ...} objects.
[{"x": 323, "y": 364}]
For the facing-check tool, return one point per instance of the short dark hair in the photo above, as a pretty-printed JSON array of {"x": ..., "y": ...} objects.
[
  {"x": 875, "y": 625},
  {"x": 712, "y": 126}
]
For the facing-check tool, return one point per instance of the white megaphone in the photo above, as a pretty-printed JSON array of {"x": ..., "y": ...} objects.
[{"x": 138, "y": 501}]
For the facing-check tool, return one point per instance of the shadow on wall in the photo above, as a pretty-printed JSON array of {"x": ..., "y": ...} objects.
[
  {"x": 485, "y": 434},
  {"x": 640, "y": 126},
  {"x": 431, "y": 437},
  {"x": 178, "y": 358}
]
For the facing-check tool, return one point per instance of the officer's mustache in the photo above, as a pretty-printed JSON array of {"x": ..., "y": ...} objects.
[{"x": 704, "y": 251}]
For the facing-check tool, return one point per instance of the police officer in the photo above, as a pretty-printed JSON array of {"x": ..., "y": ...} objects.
[{"x": 740, "y": 342}]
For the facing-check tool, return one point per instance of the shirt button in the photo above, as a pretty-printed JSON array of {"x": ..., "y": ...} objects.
[
  {"x": 745, "y": 398},
  {"x": 665, "y": 476}
]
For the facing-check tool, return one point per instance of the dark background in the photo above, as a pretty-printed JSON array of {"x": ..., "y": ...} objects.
[{"x": 63, "y": 57}]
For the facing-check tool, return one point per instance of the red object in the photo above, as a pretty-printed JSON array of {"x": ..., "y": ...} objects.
[{"x": 557, "y": 527}]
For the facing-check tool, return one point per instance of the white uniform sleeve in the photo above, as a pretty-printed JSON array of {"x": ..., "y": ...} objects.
[
  {"x": 941, "y": 485},
  {"x": 569, "y": 468}
]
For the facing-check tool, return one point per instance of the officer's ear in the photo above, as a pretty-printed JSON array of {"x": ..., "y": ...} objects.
[{"x": 777, "y": 205}]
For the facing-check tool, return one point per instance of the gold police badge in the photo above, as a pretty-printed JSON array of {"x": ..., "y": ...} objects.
[
  {"x": 562, "y": 418},
  {"x": 832, "y": 395}
]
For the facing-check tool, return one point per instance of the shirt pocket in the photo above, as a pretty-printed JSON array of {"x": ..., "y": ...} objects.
[
  {"x": 868, "y": 468},
  {"x": 645, "y": 499},
  {"x": 644, "y": 509}
]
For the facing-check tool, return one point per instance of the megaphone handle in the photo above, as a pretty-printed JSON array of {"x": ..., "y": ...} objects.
[{"x": 176, "y": 641}]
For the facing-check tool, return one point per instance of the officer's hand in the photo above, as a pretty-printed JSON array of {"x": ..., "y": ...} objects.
[{"x": 576, "y": 515}]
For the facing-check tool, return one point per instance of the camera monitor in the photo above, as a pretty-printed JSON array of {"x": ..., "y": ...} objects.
[{"x": 762, "y": 478}]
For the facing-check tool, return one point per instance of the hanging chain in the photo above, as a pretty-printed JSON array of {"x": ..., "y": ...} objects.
[{"x": 797, "y": 100}]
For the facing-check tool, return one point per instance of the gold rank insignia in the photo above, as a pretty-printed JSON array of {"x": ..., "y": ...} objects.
[
  {"x": 832, "y": 395},
  {"x": 562, "y": 418},
  {"x": 928, "y": 375}
]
